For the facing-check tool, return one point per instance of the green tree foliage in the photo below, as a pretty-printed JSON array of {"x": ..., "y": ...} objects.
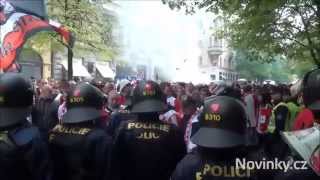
[
  {"x": 39, "y": 42},
  {"x": 266, "y": 28},
  {"x": 280, "y": 69},
  {"x": 89, "y": 22}
]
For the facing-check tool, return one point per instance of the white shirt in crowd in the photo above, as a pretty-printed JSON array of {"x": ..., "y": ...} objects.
[{"x": 250, "y": 108}]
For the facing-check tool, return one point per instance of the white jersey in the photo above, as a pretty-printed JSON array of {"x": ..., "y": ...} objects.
[
  {"x": 169, "y": 117},
  {"x": 187, "y": 135}
]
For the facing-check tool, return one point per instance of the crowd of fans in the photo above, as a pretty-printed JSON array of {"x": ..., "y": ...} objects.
[
  {"x": 143, "y": 130},
  {"x": 184, "y": 101}
]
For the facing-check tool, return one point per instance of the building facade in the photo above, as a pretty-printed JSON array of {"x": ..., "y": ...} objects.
[
  {"x": 35, "y": 64},
  {"x": 216, "y": 59}
]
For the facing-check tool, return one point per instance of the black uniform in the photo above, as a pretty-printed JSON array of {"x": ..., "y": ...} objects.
[
  {"x": 116, "y": 119},
  {"x": 79, "y": 147},
  {"x": 293, "y": 174},
  {"x": 79, "y": 152},
  {"x": 146, "y": 150},
  {"x": 42, "y": 115},
  {"x": 209, "y": 166},
  {"x": 220, "y": 139},
  {"x": 23, "y": 153}
]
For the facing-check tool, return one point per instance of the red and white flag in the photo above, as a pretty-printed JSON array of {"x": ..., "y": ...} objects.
[{"x": 16, "y": 27}]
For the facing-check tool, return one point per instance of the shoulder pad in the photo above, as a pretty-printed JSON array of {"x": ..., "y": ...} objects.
[{"x": 25, "y": 135}]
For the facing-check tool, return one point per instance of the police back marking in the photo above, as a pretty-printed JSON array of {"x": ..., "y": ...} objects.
[
  {"x": 147, "y": 128},
  {"x": 71, "y": 130},
  {"x": 210, "y": 170}
]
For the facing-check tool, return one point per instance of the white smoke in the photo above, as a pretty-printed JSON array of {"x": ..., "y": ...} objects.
[{"x": 155, "y": 35}]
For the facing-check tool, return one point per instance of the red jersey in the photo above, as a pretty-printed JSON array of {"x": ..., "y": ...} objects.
[
  {"x": 264, "y": 119},
  {"x": 304, "y": 120},
  {"x": 179, "y": 112},
  {"x": 121, "y": 100}
]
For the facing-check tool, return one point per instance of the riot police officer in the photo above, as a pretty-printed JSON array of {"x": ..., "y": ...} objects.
[
  {"x": 220, "y": 139},
  {"x": 146, "y": 148},
  {"x": 79, "y": 146},
  {"x": 23, "y": 153}
]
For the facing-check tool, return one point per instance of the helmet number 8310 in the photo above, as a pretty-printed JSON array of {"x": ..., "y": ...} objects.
[{"x": 212, "y": 117}]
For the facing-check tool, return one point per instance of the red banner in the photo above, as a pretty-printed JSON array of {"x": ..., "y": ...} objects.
[{"x": 17, "y": 27}]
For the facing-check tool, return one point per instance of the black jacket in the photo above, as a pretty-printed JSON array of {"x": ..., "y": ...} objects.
[
  {"x": 79, "y": 152},
  {"x": 297, "y": 175},
  {"x": 210, "y": 165},
  {"x": 116, "y": 119},
  {"x": 145, "y": 150},
  {"x": 23, "y": 154},
  {"x": 44, "y": 114}
]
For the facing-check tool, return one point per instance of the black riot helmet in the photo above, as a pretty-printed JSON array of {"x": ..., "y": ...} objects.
[
  {"x": 222, "y": 123},
  {"x": 311, "y": 89},
  {"x": 228, "y": 90},
  {"x": 84, "y": 103},
  {"x": 16, "y": 99},
  {"x": 148, "y": 98}
]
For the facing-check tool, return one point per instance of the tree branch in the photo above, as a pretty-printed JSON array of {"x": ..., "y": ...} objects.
[
  {"x": 56, "y": 37},
  {"x": 311, "y": 44},
  {"x": 298, "y": 42}
]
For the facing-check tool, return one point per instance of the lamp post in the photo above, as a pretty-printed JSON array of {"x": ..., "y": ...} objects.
[{"x": 70, "y": 67}]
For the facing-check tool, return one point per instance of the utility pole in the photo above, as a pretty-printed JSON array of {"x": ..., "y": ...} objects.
[{"x": 70, "y": 67}]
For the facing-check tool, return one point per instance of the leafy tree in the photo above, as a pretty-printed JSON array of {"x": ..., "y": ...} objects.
[
  {"x": 89, "y": 22},
  {"x": 250, "y": 69},
  {"x": 281, "y": 69},
  {"x": 39, "y": 42},
  {"x": 299, "y": 68},
  {"x": 266, "y": 28}
]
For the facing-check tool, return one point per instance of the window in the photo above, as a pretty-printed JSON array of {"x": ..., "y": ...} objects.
[
  {"x": 90, "y": 67},
  {"x": 210, "y": 42},
  {"x": 200, "y": 60},
  {"x": 216, "y": 42},
  {"x": 220, "y": 76},
  {"x": 213, "y": 77},
  {"x": 214, "y": 58},
  {"x": 230, "y": 63}
]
